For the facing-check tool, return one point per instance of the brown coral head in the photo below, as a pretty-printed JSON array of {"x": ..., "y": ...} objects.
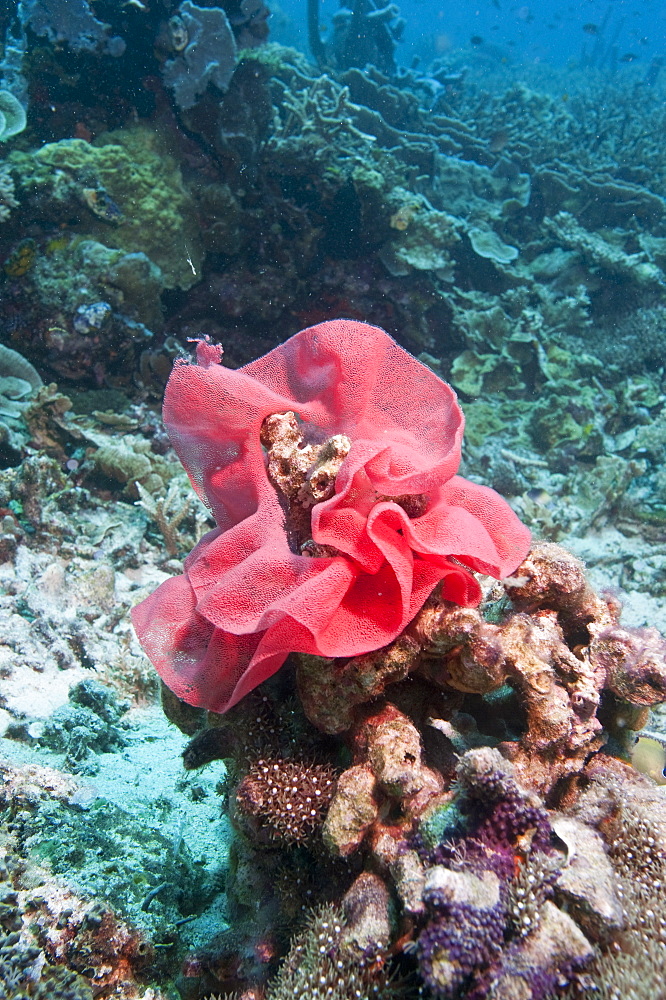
[
  {"x": 548, "y": 577},
  {"x": 634, "y": 661},
  {"x": 287, "y": 799}
]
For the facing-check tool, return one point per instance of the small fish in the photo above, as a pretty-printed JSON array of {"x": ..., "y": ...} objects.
[
  {"x": 402, "y": 218},
  {"x": 628, "y": 57},
  {"x": 101, "y": 205},
  {"x": 649, "y": 757},
  {"x": 476, "y": 40},
  {"x": 591, "y": 29},
  {"x": 644, "y": 41},
  {"x": 189, "y": 260},
  {"x": 498, "y": 140},
  {"x": 538, "y": 495}
]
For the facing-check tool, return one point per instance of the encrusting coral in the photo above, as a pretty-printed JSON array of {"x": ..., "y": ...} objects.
[{"x": 490, "y": 922}]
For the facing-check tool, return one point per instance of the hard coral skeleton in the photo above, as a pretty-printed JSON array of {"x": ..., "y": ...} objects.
[{"x": 560, "y": 649}]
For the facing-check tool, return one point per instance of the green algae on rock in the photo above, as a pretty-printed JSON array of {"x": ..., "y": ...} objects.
[{"x": 132, "y": 167}]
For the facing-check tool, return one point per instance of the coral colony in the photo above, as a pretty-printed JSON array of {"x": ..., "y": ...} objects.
[{"x": 424, "y": 772}]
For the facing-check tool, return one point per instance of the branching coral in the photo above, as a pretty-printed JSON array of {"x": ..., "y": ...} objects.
[
  {"x": 169, "y": 511},
  {"x": 325, "y": 106}
]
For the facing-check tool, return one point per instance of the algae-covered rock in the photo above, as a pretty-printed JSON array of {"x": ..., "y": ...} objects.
[
  {"x": 127, "y": 462},
  {"x": 79, "y": 272},
  {"x": 129, "y": 192},
  {"x": 477, "y": 374},
  {"x": 567, "y": 415},
  {"x": 89, "y": 724}
]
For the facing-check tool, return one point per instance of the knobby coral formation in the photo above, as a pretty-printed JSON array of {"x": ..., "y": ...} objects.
[
  {"x": 456, "y": 727},
  {"x": 331, "y": 544},
  {"x": 477, "y": 791}
]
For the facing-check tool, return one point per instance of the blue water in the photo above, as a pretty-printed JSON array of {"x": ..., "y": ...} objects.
[{"x": 525, "y": 34}]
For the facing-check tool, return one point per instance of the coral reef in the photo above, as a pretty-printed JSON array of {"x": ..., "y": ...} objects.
[
  {"x": 129, "y": 167},
  {"x": 443, "y": 794},
  {"x": 509, "y": 859},
  {"x": 490, "y": 923}
]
